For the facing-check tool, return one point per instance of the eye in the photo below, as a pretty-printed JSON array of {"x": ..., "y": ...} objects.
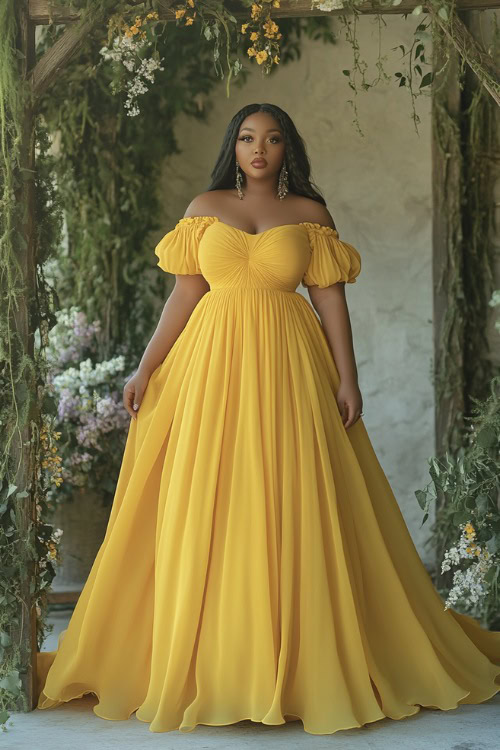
[{"x": 273, "y": 137}]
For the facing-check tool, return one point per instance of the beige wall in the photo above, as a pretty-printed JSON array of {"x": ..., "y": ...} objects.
[{"x": 378, "y": 190}]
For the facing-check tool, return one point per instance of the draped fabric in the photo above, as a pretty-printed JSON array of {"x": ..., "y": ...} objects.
[{"x": 256, "y": 564}]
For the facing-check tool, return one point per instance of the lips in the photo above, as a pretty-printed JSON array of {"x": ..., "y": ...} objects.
[{"x": 259, "y": 162}]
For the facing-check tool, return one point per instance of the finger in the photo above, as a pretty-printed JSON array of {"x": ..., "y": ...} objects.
[
  {"x": 342, "y": 411},
  {"x": 128, "y": 400},
  {"x": 351, "y": 417}
]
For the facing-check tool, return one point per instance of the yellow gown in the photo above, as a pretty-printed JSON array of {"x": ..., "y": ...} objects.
[{"x": 256, "y": 564}]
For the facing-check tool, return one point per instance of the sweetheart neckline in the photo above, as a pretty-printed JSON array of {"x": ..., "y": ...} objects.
[{"x": 258, "y": 234}]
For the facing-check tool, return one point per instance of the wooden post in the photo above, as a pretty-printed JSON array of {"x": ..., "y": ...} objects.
[{"x": 22, "y": 320}]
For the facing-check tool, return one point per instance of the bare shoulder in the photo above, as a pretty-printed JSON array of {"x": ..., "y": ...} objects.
[
  {"x": 315, "y": 212},
  {"x": 205, "y": 204}
]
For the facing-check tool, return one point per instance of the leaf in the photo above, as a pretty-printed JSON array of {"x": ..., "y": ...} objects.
[
  {"x": 492, "y": 574},
  {"x": 486, "y": 437},
  {"x": 492, "y": 545},
  {"x": 417, "y": 10},
  {"x": 11, "y": 682},
  {"x": 421, "y": 498},
  {"x": 426, "y": 80},
  {"x": 482, "y": 504},
  {"x": 12, "y": 487},
  {"x": 443, "y": 13},
  {"x": 346, "y": 72},
  {"x": 5, "y": 639}
]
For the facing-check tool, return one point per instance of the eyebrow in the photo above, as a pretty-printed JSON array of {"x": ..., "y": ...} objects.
[{"x": 270, "y": 130}]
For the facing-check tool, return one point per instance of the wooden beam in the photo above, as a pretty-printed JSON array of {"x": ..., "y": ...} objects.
[
  {"x": 44, "y": 12},
  {"x": 55, "y": 58}
]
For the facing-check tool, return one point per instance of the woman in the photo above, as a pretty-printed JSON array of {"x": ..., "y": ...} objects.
[{"x": 256, "y": 564}]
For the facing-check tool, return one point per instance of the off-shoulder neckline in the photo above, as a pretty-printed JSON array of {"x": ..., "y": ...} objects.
[{"x": 321, "y": 227}]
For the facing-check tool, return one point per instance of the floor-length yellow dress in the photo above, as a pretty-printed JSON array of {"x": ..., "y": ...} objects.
[{"x": 256, "y": 564}]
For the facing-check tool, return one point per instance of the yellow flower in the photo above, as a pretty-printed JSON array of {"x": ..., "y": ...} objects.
[
  {"x": 189, "y": 21},
  {"x": 261, "y": 56},
  {"x": 256, "y": 10},
  {"x": 138, "y": 21},
  {"x": 134, "y": 29},
  {"x": 191, "y": 3},
  {"x": 180, "y": 13},
  {"x": 254, "y": 36},
  {"x": 251, "y": 52},
  {"x": 477, "y": 551},
  {"x": 276, "y": 3},
  {"x": 276, "y": 59},
  {"x": 244, "y": 27}
]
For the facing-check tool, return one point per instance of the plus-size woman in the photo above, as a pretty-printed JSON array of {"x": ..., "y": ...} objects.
[{"x": 256, "y": 564}]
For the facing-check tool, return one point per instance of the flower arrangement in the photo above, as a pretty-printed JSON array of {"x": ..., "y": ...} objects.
[
  {"x": 470, "y": 486},
  {"x": 470, "y": 584},
  {"x": 89, "y": 408},
  {"x": 263, "y": 28},
  {"x": 128, "y": 50}
]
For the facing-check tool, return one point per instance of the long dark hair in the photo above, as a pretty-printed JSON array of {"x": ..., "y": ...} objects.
[{"x": 297, "y": 161}]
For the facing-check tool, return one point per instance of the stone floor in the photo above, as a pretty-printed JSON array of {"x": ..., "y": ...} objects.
[{"x": 74, "y": 726}]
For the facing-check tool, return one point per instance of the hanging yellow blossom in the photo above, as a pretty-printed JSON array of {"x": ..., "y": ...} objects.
[
  {"x": 189, "y": 21},
  {"x": 256, "y": 11},
  {"x": 276, "y": 59},
  {"x": 190, "y": 3},
  {"x": 244, "y": 27},
  {"x": 180, "y": 13},
  {"x": 251, "y": 52},
  {"x": 276, "y": 3},
  {"x": 261, "y": 56},
  {"x": 254, "y": 36}
]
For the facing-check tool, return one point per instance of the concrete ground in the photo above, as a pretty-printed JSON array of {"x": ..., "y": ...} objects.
[{"x": 74, "y": 726}]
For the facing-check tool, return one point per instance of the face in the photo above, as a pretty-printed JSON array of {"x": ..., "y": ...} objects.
[{"x": 260, "y": 136}]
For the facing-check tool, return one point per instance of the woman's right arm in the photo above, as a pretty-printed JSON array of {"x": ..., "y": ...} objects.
[{"x": 186, "y": 294}]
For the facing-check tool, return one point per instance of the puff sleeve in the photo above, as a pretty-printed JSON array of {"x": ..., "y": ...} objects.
[
  {"x": 178, "y": 249},
  {"x": 332, "y": 260}
]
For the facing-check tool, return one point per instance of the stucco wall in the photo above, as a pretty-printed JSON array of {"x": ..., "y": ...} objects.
[{"x": 378, "y": 190}]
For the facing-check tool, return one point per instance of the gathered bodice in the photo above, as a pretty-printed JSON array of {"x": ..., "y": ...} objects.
[{"x": 277, "y": 259}]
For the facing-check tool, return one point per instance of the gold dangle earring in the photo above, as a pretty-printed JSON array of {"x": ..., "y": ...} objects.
[
  {"x": 239, "y": 181},
  {"x": 283, "y": 182}
]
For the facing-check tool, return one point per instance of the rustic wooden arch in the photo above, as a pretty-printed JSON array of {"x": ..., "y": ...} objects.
[{"x": 42, "y": 74}]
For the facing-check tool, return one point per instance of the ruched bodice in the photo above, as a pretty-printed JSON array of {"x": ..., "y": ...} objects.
[{"x": 277, "y": 259}]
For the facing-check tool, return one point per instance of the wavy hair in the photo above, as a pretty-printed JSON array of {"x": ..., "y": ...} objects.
[{"x": 297, "y": 161}]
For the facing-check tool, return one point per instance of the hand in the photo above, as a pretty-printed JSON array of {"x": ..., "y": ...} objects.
[
  {"x": 350, "y": 403},
  {"x": 133, "y": 392}
]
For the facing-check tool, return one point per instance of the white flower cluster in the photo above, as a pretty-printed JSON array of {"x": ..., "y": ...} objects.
[
  {"x": 80, "y": 380},
  {"x": 468, "y": 585},
  {"x": 125, "y": 50}
]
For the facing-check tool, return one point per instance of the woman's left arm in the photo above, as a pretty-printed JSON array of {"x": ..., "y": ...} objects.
[{"x": 331, "y": 305}]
